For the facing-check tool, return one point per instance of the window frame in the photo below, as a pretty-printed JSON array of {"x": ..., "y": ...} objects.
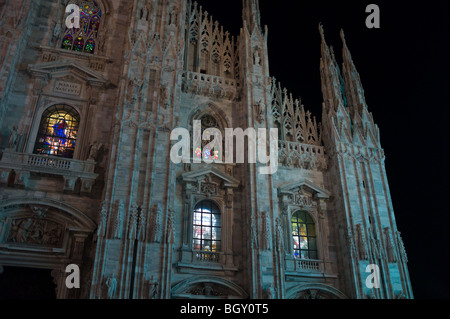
[
  {"x": 198, "y": 208},
  {"x": 44, "y": 119},
  {"x": 292, "y": 236}
]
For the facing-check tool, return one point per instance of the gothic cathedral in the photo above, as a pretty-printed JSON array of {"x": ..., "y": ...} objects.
[{"x": 87, "y": 178}]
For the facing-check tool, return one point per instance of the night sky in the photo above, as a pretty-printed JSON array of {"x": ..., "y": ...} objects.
[{"x": 404, "y": 69}]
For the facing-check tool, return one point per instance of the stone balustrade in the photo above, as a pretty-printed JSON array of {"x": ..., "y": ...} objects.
[
  {"x": 206, "y": 256},
  {"x": 298, "y": 155},
  {"x": 70, "y": 169},
  {"x": 210, "y": 85}
]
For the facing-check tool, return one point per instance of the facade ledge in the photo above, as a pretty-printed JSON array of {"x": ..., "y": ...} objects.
[{"x": 70, "y": 169}]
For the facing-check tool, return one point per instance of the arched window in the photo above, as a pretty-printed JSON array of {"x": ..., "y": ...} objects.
[
  {"x": 84, "y": 39},
  {"x": 58, "y": 132},
  {"x": 304, "y": 236},
  {"x": 208, "y": 122},
  {"x": 207, "y": 227}
]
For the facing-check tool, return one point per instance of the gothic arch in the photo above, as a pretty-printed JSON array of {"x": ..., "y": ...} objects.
[
  {"x": 314, "y": 291},
  {"x": 77, "y": 217},
  {"x": 208, "y": 287},
  {"x": 209, "y": 109}
]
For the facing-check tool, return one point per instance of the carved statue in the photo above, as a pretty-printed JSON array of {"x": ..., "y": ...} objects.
[
  {"x": 13, "y": 137},
  {"x": 257, "y": 58},
  {"x": 56, "y": 32},
  {"x": 111, "y": 283},
  {"x": 153, "y": 291},
  {"x": 94, "y": 150},
  {"x": 270, "y": 292},
  {"x": 173, "y": 17}
]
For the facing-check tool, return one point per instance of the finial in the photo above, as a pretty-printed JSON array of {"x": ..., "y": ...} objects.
[{"x": 322, "y": 32}]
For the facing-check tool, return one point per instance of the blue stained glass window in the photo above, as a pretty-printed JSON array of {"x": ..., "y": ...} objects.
[
  {"x": 84, "y": 39},
  {"x": 58, "y": 132},
  {"x": 304, "y": 236}
]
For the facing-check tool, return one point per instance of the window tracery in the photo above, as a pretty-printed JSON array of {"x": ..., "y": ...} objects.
[{"x": 84, "y": 39}]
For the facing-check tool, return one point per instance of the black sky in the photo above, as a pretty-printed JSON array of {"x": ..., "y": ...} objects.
[{"x": 404, "y": 69}]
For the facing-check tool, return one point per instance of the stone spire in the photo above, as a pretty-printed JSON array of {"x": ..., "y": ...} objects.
[
  {"x": 353, "y": 85},
  {"x": 330, "y": 75},
  {"x": 251, "y": 15}
]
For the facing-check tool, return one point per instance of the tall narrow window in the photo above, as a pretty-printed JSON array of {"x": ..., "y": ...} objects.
[
  {"x": 58, "y": 132},
  {"x": 84, "y": 39},
  {"x": 304, "y": 236},
  {"x": 207, "y": 227}
]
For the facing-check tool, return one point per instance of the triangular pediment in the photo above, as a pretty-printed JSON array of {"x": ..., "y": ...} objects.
[
  {"x": 63, "y": 68},
  {"x": 305, "y": 184},
  {"x": 194, "y": 176}
]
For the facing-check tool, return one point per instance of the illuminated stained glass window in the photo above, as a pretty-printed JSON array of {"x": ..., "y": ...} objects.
[
  {"x": 84, "y": 39},
  {"x": 208, "y": 122},
  {"x": 58, "y": 132},
  {"x": 207, "y": 227},
  {"x": 304, "y": 236}
]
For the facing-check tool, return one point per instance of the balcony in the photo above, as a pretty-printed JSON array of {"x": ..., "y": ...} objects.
[
  {"x": 210, "y": 85},
  {"x": 308, "y": 265},
  {"x": 206, "y": 257},
  {"x": 70, "y": 169},
  {"x": 305, "y": 156}
]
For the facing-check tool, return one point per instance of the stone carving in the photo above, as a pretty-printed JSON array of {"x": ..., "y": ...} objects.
[
  {"x": 208, "y": 189},
  {"x": 279, "y": 235},
  {"x": 13, "y": 137},
  {"x": 257, "y": 57},
  {"x": 94, "y": 150},
  {"x": 34, "y": 230},
  {"x": 56, "y": 32},
  {"x": 253, "y": 233},
  {"x": 173, "y": 17},
  {"x": 259, "y": 112},
  {"x": 270, "y": 292},
  {"x": 102, "y": 220},
  {"x": 144, "y": 12},
  {"x": 118, "y": 223},
  {"x": 111, "y": 284},
  {"x": 170, "y": 233},
  {"x": 153, "y": 288},
  {"x": 155, "y": 223},
  {"x": 266, "y": 242},
  {"x": 141, "y": 225},
  {"x": 390, "y": 252},
  {"x": 303, "y": 198},
  {"x": 164, "y": 96},
  {"x": 401, "y": 247},
  {"x": 312, "y": 294},
  {"x": 210, "y": 289},
  {"x": 133, "y": 222}
]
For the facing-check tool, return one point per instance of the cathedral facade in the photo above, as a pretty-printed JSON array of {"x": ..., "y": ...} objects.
[{"x": 87, "y": 178}]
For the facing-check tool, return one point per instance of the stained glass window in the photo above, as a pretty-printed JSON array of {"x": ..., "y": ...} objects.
[
  {"x": 208, "y": 122},
  {"x": 84, "y": 39},
  {"x": 58, "y": 132},
  {"x": 304, "y": 236},
  {"x": 207, "y": 227}
]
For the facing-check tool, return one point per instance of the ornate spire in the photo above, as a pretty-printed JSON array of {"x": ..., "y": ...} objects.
[
  {"x": 353, "y": 85},
  {"x": 330, "y": 74},
  {"x": 251, "y": 15}
]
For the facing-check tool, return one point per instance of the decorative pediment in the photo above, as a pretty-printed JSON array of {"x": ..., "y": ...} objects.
[
  {"x": 208, "y": 174},
  {"x": 304, "y": 187},
  {"x": 65, "y": 68}
]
